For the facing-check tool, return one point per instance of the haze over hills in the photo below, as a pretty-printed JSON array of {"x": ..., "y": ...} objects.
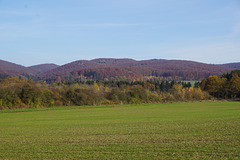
[{"x": 117, "y": 69}]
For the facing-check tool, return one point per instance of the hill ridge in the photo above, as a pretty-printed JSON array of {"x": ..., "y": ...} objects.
[
  {"x": 110, "y": 68},
  {"x": 118, "y": 68}
]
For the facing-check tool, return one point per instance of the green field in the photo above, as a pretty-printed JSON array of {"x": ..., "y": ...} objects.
[{"x": 200, "y": 130}]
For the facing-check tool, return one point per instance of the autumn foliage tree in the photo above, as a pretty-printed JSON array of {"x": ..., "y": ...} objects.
[
  {"x": 228, "y": 86},
  {"x": 20, "y": 93}
]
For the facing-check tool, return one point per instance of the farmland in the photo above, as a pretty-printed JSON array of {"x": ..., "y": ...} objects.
[{"x": 193, "y": 130}]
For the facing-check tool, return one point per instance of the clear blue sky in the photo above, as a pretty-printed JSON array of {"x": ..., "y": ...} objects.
[{"x": 61, "y": 31}]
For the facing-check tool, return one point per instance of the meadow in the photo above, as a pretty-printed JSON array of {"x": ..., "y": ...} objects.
[{"x": 193, "y": 130}]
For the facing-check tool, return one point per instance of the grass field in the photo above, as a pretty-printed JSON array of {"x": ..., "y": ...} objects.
[{"x": 202, "y": 130}]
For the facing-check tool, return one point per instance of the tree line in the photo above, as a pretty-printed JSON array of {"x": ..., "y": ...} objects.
[
  {"x": 225, "y": 87},
  {"x": 19, "y": 93}
]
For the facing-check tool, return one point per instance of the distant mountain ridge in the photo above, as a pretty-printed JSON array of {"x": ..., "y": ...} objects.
[
  {"x": 43, "y": 67},
  {"x": 118, "y": 69},
  {"x": 8, "y": 69},
  {"x": 232, "y": 65},
  {"x": 112, "y": 69}
]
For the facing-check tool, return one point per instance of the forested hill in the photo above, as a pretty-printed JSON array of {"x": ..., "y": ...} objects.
[
  {"x": 129, "y": 69},
  {"x": 116, "y": 69},
  {"x": 232, "y": 65},
  {"x": 43, "y": 67},
  {"x": 8, "y": 69}
]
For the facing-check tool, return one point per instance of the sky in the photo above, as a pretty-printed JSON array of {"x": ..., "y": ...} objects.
[{"x": 61, "y": 31}]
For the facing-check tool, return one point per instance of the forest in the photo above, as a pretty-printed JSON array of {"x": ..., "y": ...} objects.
[
  {"x": 225, "y": 87},
  {"x": 111, "y": 69},
  {"x": 17, "y": 92}
]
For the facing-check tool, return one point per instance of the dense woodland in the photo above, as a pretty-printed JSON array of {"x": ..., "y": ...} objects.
[
  {"x": 225, "y": 87},
  {"x": 19, "y": 93}
]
